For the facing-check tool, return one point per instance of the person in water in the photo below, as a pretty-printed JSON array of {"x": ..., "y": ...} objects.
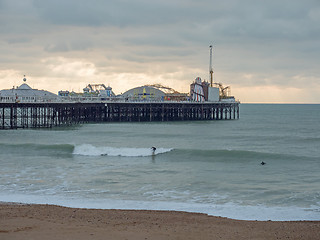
[
  {"x": 153, "y": 150},
  {"x": 262, "y": 163}
]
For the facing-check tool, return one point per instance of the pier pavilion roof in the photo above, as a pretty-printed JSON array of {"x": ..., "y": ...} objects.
[
  {"x": 24, "y": 93},
  {"x": 144, "y": 93}
]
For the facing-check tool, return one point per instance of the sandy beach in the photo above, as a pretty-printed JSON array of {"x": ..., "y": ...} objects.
[{"x": 24, "y": 221}]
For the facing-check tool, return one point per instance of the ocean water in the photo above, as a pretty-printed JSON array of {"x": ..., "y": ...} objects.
[{"x": 210, "y": 167}]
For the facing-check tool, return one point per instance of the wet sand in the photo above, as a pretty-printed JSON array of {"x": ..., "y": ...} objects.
[{"x": 24, "y": 221}]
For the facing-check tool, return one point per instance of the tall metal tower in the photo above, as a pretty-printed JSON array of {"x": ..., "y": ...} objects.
[{"x": 210, "y": 67}]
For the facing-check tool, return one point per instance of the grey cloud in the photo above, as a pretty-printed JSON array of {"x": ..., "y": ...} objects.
[
  {"x": 18, "y": 40},
  {"x": 146, "y": 55},
  {"x": 234, "y": 19},
  {"x": 59, "y": 47},
  {"x": 153, "y": 39},
  {"x": 67, "y": 46},
  {"x": 128, "y": 13},
  {"x": 70, "y": 12},
  {"x": 265, "y": 38},
  {"x": 98, "y": 12}
]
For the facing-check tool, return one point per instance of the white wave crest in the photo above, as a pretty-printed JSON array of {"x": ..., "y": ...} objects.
[{"x": 90, "y": 150}]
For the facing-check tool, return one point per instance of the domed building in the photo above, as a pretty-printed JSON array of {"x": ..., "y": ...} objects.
[
  {"x": 25, "y": 94},
  {"x": 142, "y": 93},
  {"x": 107, "y": 92}
]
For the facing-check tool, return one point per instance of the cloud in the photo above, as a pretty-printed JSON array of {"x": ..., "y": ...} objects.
[
  {"x": 66, "y": 46},
  {"x": 67, "y": 68},
  {"x": 256, "y": 44},
  {"x": 99, "y": 12}
]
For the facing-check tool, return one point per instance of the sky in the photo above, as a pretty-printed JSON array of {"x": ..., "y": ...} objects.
[{"x": 266, "y": 51}]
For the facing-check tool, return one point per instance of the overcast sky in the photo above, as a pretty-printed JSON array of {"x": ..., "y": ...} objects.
[{"x": 267, "y": 51}]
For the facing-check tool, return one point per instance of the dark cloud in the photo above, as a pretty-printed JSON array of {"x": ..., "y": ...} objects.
[
  {"x": 154, "y": 39},
  {"x": 59, "y": 47},
  {"x": 99, "y": 12},
  {"x": 67, "y": 46},
  {"x": 243, "y": 21},
  {"x": 270, "y": 42},
  {"x": 18, "y": 40},
  {"x": 147, "y": 55}
]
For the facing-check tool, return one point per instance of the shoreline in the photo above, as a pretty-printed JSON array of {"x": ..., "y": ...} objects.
[{"x": 40, "y": 221}]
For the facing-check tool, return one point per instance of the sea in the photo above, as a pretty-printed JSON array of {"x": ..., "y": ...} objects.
[{"x": 211, "y": 167}]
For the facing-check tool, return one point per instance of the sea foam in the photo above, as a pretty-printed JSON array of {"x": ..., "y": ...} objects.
[
  {"x": 229, "y": 210},
  {"x": 90, "y": 150}
]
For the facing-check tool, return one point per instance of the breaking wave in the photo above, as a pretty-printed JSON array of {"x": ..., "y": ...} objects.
[
  {"x": 31, "y": 149},
  {"x": 90, "y": 150}
]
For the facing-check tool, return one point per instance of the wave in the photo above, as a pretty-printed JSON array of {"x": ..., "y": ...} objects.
[
  {"x": 83, "y": 149},
  {"x": 310, "y": 139},
  {"x": 233, "y": 155},
  {"x": 175, "y": 154},
  {"x": 230, "y": 209},
  {"x": 31, "y": 148},
  {"x": 90, "y": 150}
]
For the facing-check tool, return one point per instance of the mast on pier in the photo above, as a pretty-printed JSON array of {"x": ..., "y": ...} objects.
[{"x": 210, "y": 67}]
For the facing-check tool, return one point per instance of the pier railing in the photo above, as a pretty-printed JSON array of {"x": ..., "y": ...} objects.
[{"x": 47, "y": 115}]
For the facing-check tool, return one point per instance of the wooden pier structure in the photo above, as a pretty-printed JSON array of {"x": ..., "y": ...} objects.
[{"x": 47, "y": 115}]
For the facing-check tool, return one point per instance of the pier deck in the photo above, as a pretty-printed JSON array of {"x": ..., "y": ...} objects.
[{"x": 47, "y": 115}]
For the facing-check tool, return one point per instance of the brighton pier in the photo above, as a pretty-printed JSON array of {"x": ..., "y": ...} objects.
[
  {"x": 25, "y": 107},
  {"x": 48, "y": 115}
]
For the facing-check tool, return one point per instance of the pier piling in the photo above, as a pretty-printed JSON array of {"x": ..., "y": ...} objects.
[{"x": 47, "y": 115}]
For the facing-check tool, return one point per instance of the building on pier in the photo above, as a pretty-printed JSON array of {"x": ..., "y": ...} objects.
[
  {"x": 201, "y": 91},
  {"x": 144, "y": 93},
  {"x": 92, "y": 92},
  {"x": 25, "y": 94}
]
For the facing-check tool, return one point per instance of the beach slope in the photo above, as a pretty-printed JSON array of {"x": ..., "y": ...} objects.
[{"x": 21, "y": 221}]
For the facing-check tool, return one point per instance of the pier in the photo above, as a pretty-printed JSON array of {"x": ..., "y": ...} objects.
[{"x": 48, "y": 115}]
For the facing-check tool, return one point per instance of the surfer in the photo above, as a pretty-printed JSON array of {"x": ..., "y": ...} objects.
[
  {"x": 153, "y": 150},
  {"x": 262, "y": 163}
]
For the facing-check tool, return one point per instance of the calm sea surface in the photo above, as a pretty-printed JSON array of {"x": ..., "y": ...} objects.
[{"x": 210, "y": 167}]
